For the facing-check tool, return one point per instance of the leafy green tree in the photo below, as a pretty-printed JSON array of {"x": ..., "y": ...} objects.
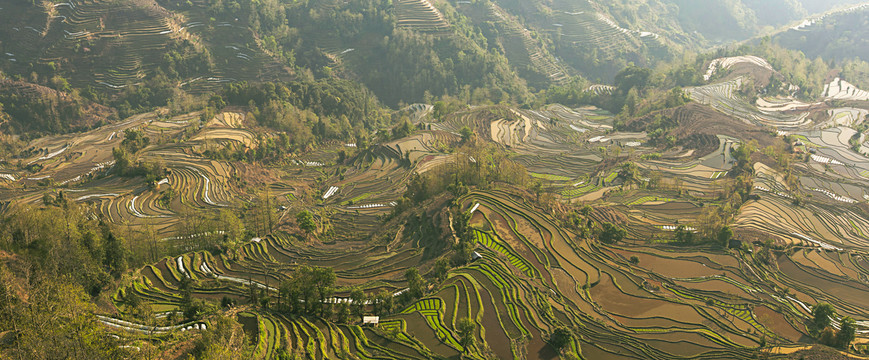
[
  {"x": 537, "y": 189},
  {"x": 561, "y": 338},
  {"x": 631, "y": 102},
  {"x": 465, "y": 328},
  {"x": 47, "y": 199},
  {"x": 185, "y": 287},
  {"x": 630, "y": 172},
  {"x": 683, "y": 235},
  {"x": 342, "y": 313},
  {"x": 233, "y": 228},
  {"x": 742, "y": 154},
  {"x": 441, "y": 268},
  {"x": 324, "y": 282},
  {"x": 134, "y": 140},
  {"x": 306, "y": 291},
  {"x": 466, "y": 133},
  {"x": 404, "y": 129},
  {"x": 611, "y": 234},
  {"x": 827, "y": 336},
  {"x": 58, "y": 322},
  {"x": 122, "y": 160},
  {"x": 306, "y": 221},
  {"x": 677, "y": 97},
  {"x": 357, "y": 297},
  {"x": 415, "y": 283},
  {"x": 632, "y": 77},
  {"x": 822, "y": 315},
  {"x": 384, "y": 302},
  {"x": 847, "y": 333},
  {"x": 224, "y": 339},
  {"x": 724, "y": 235},
  {"x": 116, "y": 255},
  {"x": 8, "y": 300}
]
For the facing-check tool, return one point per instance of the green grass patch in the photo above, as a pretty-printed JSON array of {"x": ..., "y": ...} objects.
[
  {"x": 496, "y": 245},
  {"x": 685, "y": 167},
  {"x": 358, "y": 199},
  {"x": 577, "y": 192},
  {"x": 646, "y": 199},
  {"x": 549, "y": 177}
]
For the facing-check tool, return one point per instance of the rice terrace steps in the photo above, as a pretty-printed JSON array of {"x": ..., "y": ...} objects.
[
  {"x": 111, "y": 44},
  {"x": 523, "y": 49},
  {"x": 535, "y": 272},
  {"x": 420, "y": 15},
  {"x": 478, "y": 222}
]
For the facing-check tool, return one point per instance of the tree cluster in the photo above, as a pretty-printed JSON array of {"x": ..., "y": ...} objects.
[
  {"x": 822, "y": 320},
  {"x": 306, "y": 291}
]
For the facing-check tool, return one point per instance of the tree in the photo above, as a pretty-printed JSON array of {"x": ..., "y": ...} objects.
[
  {"x": 324, "y": 282},
  {"x": 47, "y": 199},
  {"x": 224, "y": 339},
  {"x": 289, "y": 297},
  {"x": 8, "y": 300},
  {"x": 537, "y": 188},
  {"x": 709, "y": 223},
  {"x": 683, "y": 235},
  {"x": 466, "y": 133},
  {"x": 383, "y": 303},
  {"x": 404, "y": 129},
  {"x": 58, "y": 322},
  {"x": 635, "y": 260},
  {"x": 724, "y": 235},
  {"x": 611, "y": 234},
  {"x": 846, "y": 333},
  {"x": 415, "y": 283},
  {"x": 116, "y": 255},
  {"x": 823, "y": 314},
  {"x": 561, "y": 338},
  {"x": 630, "y": 173},
  {"x": 827, "y": 336},
  {"x": 742, "y": 154},
  {"x": 632, "y": 77},
  {"x": 631, "y": 102},
  {"x": 358, "y": 299},
  {"x": 306, "y": 221},
  {"x": 441, "y": 268},
  {"x": 465, "y": 329},
  {"x": 233, "y": 227},
  {"x": 306, "y": 290},
  {"x": 342, "y": 313},
  {"x": 122, "y": 160}
]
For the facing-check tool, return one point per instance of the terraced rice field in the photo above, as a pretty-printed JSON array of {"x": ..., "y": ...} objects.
[
  {"x": 522, "y": 49},
  {"x": 587, "y": 29},
  {"x": 729, "y": 62},
  {"x": 840, "y": 89},
  {"x": 722, "y": 97},
  {"x": 642, "y": 297},
  {"x": 420, "y": 15},
  {"x": 112, "y": 45}
]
